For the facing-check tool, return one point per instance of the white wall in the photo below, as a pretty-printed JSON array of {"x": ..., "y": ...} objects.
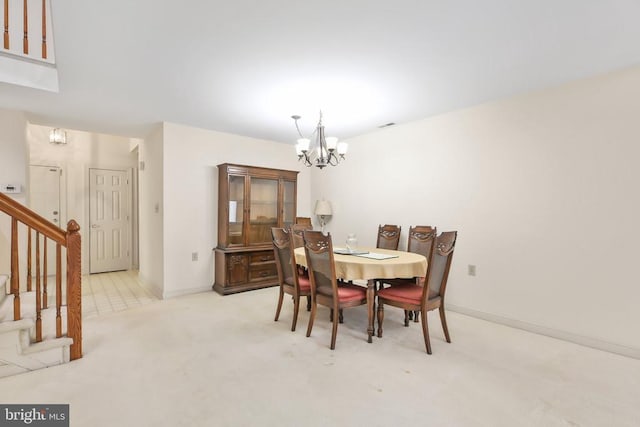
[
  {"x": 151, "y": 210},
  {"x": 83, "y": 150},
  {"x": 13, "y": 162},
  {"x": 191, "y": 195},
  {"x": 543, "y": 189}
]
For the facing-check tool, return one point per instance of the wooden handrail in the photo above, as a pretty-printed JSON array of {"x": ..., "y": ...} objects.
[
  {"x": 31, "y": 219},
  {"x": 72, "y": 241}
]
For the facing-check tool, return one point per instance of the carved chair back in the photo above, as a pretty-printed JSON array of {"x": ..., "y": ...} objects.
[
  {"x": 284, "y": 255},
  {"x": 421, "y": 239},
  {"x": 388, "y": 236},
  {"x": 296, "y": 234},
  {"x": 439, "y": 265},
  {"x": 322, "y": 271}
]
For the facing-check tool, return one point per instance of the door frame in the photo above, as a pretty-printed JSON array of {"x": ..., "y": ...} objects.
[
  {"x": 62, "y": 209},
  {"x": 62, "y": 191}
]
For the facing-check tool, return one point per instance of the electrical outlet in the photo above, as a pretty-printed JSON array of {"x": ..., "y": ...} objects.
[
  {"x": 471, "y": 270},
  {"x": 194, "y": 256}
]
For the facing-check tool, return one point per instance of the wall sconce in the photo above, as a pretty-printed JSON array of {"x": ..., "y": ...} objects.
[
  {"x": 58, "y": 136},
  {"x": 323, "y": 210}
]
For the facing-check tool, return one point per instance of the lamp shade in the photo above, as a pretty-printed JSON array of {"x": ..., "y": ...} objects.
[{"x": 323, "y": 207}]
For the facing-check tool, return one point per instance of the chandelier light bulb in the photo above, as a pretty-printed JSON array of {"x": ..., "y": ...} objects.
[
  {"x": 332, "y": 143},
  {"x": 303, "y": 144}
]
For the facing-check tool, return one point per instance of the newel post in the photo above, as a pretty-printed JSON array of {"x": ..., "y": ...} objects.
[{"x": 74, "y": 289}]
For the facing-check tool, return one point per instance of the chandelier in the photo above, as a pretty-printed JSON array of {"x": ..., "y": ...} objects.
[{"x": 325, "y": 151}]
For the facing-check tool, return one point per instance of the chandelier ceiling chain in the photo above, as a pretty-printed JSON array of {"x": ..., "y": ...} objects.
[{"x": 326, "y": 150}]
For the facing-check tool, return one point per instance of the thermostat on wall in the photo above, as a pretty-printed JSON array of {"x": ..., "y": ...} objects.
[{"x": 10, "y": 188}]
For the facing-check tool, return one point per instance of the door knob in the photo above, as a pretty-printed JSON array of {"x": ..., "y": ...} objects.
[
  {"x": 95, "y": 226},
  {"x": 55, "y": 212}
]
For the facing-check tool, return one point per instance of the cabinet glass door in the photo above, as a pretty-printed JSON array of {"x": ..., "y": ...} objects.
[
  {"x": 264, "y": 210},
  {"x": 236, "y": 210},
  {"x": 288, "y": 203}
]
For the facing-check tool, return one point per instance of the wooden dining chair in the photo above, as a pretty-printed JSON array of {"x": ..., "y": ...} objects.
[
  {"x": 304, "y": 220},
  {"x": 419, "y": 241},
  {"x": 413, "y": 297},
  {"x": 388, "y": 237},
  {"x": 296, "y": 234},
  {"x": 297, "y": 241},
  {"x": 324, "y": 285},
  {"x": 289, "y": 280}
]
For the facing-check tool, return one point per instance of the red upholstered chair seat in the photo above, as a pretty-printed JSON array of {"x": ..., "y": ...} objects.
[
  {"x": 404, "y": 293},
  {"x": 345, "y": 292},
  {"x": 304, "y": 282},
  {"x": 351, "y": 293}
]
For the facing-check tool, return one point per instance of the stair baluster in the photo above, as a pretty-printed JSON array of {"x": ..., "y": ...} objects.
[
  {"x": 45, "y": 274},
  {"x": 29, "y": 261},
  {"x": 15, "y": 272},
  {"x": 44, "y": 29},
  {"x": 58, "y": 290},
  {"x": 6, "y": 24},
  {"x": 38, "y": 297}
]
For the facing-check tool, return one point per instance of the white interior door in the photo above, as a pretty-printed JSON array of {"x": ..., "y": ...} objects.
[
  {"x": 44, "y": 199},
  {"x": 109, "y": 220}
]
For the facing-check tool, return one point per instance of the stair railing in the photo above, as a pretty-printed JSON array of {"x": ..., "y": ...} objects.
[{"x": 69, "y": 239}]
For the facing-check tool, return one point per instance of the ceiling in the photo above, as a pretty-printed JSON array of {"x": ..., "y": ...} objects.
[{"x": 246, "y": 66}]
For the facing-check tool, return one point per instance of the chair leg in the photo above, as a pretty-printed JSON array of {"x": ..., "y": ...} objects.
[
  {"x": 415, "y": 316},
  {"x": 443, "y": 320},
  {"x": 296, "y": 308},
  {"x": 380, "y": 318},
  {"x": 334, "y": 330},
  {"x": 425, "y": 330},
  {"x": 407, "y": 316},
  {"x": 311, "y": 317},
  {"x": 280, "y": 298},
  {"x": 308, "y": 302},
  {"x": 340, "y": 316}
]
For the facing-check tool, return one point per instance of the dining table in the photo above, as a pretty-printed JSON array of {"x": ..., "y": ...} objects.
[{"x": 371, "y": 264}]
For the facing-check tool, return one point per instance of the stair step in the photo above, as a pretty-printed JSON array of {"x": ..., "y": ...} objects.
[{"x": 19, "y": 354}]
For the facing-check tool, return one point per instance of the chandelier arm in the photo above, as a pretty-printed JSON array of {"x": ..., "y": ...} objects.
[{"x": 334, "y": 158}]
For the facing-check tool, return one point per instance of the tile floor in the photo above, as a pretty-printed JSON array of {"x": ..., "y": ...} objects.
[{"x": 108, "y": 292}]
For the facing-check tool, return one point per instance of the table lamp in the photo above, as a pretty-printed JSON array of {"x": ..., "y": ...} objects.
[{"x": 323, "y": 210}]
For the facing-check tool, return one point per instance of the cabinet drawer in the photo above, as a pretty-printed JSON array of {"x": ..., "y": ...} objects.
[
  {"x": 263, "y": 272},
  {"x": 262, "y": 256}
]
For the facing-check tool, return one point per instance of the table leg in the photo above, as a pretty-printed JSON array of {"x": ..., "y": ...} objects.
[{"x": 371, "y": 307}]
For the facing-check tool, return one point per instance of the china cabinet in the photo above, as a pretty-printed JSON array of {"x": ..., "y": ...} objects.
[{"x": 251, "y": 200}]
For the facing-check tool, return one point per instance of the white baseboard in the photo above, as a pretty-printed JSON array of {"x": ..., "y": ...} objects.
[
  {"x": 181, "y": 292},
  {"x": 550, "y": 332}
]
